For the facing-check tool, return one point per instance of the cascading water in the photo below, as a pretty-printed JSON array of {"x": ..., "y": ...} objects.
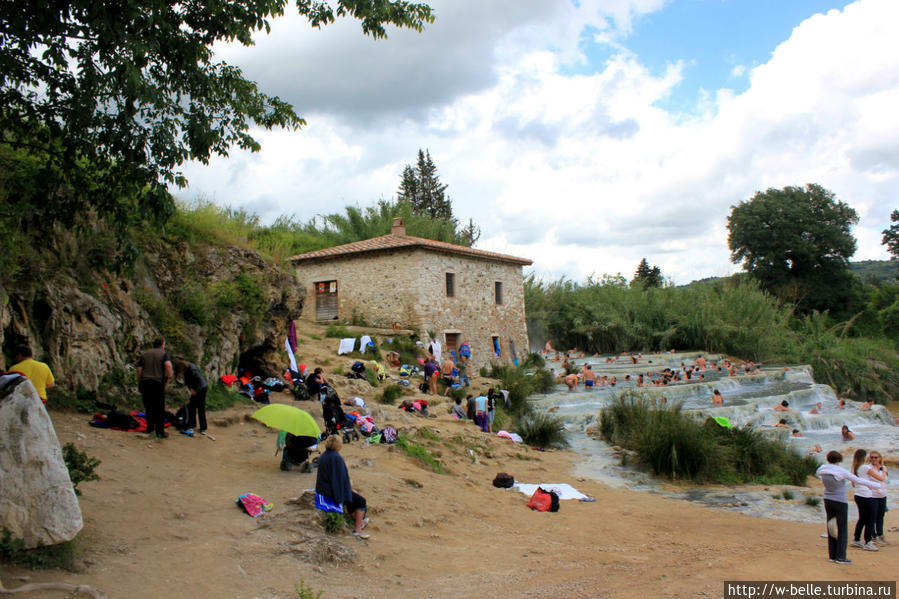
[{"x": 749, "y": 400}]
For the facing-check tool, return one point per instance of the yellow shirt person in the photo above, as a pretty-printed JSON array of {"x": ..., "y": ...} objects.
[{"x": 37, "y": 372}]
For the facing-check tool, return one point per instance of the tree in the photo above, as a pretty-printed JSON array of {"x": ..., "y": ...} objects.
[
  {"x": 891, "y": 235},
  {"x": 797, "y": 243},
  {"x": 646, "y": 276},
  {"x": 112, "y": 97},
  {"x": 421, "y": 187}
]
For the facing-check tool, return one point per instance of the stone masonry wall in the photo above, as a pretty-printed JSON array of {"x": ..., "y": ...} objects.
[{"x": 408, "y": 287}]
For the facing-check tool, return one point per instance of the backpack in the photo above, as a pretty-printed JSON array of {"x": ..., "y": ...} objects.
[
  {"x": 544, "y": 501},
  {"x": 389, "y": 435},
  {"x": 358, "y": 367},
  {"x": 423, "y": 387},
  {"x": 181, "y": 418},
  {"x": 368, "y": 428},
  {"x": 503, "y": 480}
]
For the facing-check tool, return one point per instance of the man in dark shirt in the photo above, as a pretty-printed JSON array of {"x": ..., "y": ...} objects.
[{"x": 154, "y": 371}]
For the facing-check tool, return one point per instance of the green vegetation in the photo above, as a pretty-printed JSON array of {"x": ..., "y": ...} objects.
[
  {"x": 787, "y": 494},
  {"x": 542, "y": 429},
  {"x": 81, "y": 466},
  {"x": 673, "y": 443},
  {"x": 521, "y": 383},
  {"x": 421, "y": 453},
  {"x": 304, "y": 592},
  {"x": 221, "y": 398},
  {"x": 405, "y": 346},
  {"x": 333, "y": 522},
  {"x": 813, "y": 501},
  {"x": 390, "y": 394},
  {"x": 337, "y": 331},
  {"x": 13, "y": 551}
]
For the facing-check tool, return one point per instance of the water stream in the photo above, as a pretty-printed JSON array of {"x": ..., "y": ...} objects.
[{"x": 748, "y": 400}]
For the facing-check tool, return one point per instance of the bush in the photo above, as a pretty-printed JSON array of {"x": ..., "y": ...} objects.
[
  {"x": 405, "y": 346},
  {"x": 338, "y": 331},
  {"x": 543, "y": 429},
  {"x": 521, "y": 383},
  {"x": 673, "y": 443},
  {"x": 390, "y": 394},
  {"x": 420, "y": 453},
  {"x": 333, "y": 522},
  {"x": 13, "y": 551},
  {"x": 220, "y": 397},
  {"x": 81, "y": 466}
]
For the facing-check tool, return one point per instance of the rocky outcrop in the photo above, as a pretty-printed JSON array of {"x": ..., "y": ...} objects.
[
  {"x": 91, "y": 331},
  {"x": 37, "y": 501}
]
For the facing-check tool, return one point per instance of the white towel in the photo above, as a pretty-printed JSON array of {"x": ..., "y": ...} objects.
[
  {"x": 290, "y": 356},
  {"x": 565, "y": 491},
  {"x": 363, "y": 343},
  {"x": 346, "y": 345}
]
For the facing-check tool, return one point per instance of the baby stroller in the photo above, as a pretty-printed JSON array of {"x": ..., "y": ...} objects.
[
  {"x": 296, "y": 452},
  {"x": 336, "y": 421}
]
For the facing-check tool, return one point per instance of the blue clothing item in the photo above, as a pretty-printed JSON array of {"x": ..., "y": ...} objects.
[
  {"x": 333, "y": 480},
  {"x": 481, "y": 403}
]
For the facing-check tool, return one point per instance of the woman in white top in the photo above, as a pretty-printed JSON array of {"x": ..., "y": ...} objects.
[
  {"x": 834, "y": 478},
  {"x": 879, "y": 473},
  {"x": 865, "y": 503}
]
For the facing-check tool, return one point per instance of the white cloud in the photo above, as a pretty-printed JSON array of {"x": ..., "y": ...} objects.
[{"x": 581, "y": 173}]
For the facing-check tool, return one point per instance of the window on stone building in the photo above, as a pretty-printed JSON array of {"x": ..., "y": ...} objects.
[
  {"x": 498, "y": 292},
  {"x": 450, "y": 284}
]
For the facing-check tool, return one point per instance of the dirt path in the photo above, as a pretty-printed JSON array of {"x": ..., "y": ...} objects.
[{"x": 163, "y": 522}]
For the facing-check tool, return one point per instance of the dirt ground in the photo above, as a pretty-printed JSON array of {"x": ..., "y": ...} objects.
[{"x": 162, "y": 522}]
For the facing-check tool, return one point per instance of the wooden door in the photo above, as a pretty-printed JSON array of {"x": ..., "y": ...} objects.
[{"x": 326, "y": 300}]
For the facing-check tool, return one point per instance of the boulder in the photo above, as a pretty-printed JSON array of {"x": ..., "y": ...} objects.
[{"x": 37, "y": 501}]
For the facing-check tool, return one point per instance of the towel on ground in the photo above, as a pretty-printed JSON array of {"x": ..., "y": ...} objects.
[
  {"x": 564, "y": 491},
  {"x": 346, "y": 345}
]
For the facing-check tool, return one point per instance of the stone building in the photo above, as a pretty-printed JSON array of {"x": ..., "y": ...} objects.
[{"x": 462, "y": 294}]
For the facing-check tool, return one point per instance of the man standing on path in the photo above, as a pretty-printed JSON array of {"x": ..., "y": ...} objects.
[
  {"x": 154, "y": 370},
  {"x": 37, "y": 372},
  {"x": 446, "y": 369}
]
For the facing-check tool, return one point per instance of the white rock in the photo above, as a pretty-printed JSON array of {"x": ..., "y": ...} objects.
[{"x": 37, "y": 501}]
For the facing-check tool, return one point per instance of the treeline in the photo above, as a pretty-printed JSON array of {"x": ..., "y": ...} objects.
[{"x": 731, "y": 316}]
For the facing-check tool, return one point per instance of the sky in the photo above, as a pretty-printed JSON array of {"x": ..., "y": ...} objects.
[{"x": 584, "y": 135}]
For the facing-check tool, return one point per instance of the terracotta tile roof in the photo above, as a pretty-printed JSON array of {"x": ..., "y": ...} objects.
[{"x": 393, "y": 242}]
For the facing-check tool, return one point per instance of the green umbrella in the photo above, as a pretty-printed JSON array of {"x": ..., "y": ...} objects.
[{"x": 288, "y": 418}]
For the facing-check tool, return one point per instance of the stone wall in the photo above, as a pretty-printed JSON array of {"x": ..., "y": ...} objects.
[{"x": 407, "y": 287}]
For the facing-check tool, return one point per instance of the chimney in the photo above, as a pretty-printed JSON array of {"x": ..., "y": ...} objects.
[{"x": 398, "y": 227}]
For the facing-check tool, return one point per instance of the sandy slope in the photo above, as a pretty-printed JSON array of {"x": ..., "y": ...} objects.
[{"x": 162, "y": 522}]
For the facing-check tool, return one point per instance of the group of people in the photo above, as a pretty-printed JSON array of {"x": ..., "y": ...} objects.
[
  {"x": 481, "y": 409},
  {"x": 155, "y": 370},
  {"x": 869, "y": 478}
]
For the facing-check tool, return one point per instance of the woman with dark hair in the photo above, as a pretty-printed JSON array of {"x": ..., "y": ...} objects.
[
  {"x": 333, "y": 482},
  {"x": 866, "y": 503},
  {"x": 836, "y": 505}
]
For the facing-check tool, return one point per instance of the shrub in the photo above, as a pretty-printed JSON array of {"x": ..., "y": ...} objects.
[
  {"x": 390, "y": 394},
  {"x": 333, "y": 522},
  {"x": 220, "y": 397},
  {"x": 304, "y": 592},
  {"x": 405, "y": 346},
  {"x": 543, "y": 429},
  {"x": 813, "y": 501},
  {"x": 13, "y": 551},
  {"x": 787, "y": 494},
  {"x": 521, "y": 383},
  {"x": 420, "y": 453},
  {"x": 81, "y": 466},
  {"x": 338, "y": 331}
]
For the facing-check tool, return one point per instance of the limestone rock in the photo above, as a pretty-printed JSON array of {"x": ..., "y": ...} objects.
[{"x": 37, "y": 501}]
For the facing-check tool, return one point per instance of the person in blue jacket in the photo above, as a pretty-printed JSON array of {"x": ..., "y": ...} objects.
[{"x": 333, "y": 481}]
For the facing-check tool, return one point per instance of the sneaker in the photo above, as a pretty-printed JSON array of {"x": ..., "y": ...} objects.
[
  {"x": 880, "y": 540},
  {"x": 869, "y": 546},
  {"x": 842, "y": 561},
  {"x": 202, "y": 431},
  {"x": 858, "y": 544},
  {"x": 188, "y": 432},
  {"x": 361, "y": 535},
  {"x": 365, "y": 522}
]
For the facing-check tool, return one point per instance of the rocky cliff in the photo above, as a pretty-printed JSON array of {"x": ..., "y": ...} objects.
[{"x": 216, "y": 306}]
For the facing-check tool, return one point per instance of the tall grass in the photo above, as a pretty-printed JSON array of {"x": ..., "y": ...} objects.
[
  {"x": 521, "y": 383},
  {"x": 674, "y": 444},
  {"x": 542, "y": 429}
]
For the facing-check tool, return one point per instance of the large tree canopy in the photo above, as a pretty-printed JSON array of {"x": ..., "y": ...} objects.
[
  {"x": 797, "y": 242},
  {"x": 112, "y": 96},
  {"x": 422, "y": 189}
]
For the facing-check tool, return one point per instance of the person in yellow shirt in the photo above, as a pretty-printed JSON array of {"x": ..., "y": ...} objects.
[{"x": 37, "y": 372}]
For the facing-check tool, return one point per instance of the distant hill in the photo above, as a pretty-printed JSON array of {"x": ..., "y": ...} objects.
[{"x": 869, "y": 271}]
